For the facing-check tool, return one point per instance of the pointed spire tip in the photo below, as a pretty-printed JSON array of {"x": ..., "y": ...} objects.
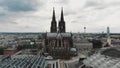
[{"x": 62, "y": 16}]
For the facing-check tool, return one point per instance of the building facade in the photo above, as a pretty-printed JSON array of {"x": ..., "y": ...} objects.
[{"x": 58, "y": 42}]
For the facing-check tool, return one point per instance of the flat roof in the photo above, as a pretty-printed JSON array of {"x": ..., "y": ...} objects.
[{"x": 10, "y": 49}]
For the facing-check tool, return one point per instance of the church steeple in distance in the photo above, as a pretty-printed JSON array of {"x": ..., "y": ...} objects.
[
  {"x": 53, "y": 27},
  {"x": 53, "y": 17},
  {"x": 62, "y": 16},
  {"x": 62, "y": 23}
]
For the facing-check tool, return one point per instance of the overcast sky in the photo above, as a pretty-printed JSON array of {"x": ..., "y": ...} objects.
[{"x": 35, "y": 15}]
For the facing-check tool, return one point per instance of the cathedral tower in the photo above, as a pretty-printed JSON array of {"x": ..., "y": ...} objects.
[
  {"x": 53, "y": 28},
  {"x": 61, "y": 25}
]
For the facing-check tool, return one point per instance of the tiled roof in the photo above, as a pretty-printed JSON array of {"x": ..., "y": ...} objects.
[{"x": 59, "y": 35}]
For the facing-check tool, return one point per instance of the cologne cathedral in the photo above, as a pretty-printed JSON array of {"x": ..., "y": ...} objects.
[{"x": 58, "y": 42}]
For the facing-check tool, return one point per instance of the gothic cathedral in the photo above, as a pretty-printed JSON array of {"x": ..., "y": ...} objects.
[{"x": 58, "y": 42}]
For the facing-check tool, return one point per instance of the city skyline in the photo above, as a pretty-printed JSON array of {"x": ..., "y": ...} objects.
[{"x": 36, "y": 15}]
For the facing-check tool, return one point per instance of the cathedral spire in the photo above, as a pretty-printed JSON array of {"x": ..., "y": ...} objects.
[
  {"x": 53, "y": 17},
  {"x": 53, "y": 27},
  {"x": 62, "y": 16},
  {"x": 62, "y": 23}
]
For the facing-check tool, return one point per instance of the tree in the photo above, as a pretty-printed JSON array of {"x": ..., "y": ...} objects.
[{"x": 2, "y": 49}]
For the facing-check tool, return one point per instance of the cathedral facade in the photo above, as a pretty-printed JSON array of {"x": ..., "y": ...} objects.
[{"x": 58, "y": 42}]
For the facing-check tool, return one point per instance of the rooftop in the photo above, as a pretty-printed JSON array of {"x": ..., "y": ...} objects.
[
  {"x": 24, "y": 59},
  {"x": 58, "y": 34},
  {"x": 27, "y": 62},
  {"x": 112, "y": 52},
  {"x": 10, "y": 49},
  {"x": 105, "y": 58}
]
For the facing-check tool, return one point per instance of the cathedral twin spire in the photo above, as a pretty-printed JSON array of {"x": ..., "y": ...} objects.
[
  {"x": 53, "y": 17},
  {"x": 61, "y": 26},
  {"x": 53, "y": 27},
  {"x": 62, "y": 17}
]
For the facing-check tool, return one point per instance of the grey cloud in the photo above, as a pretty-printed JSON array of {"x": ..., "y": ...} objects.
[
  {"x": 27, "y": 27},
  {"x": 2, "y": 14},
  {"x": 14, "y": 22},
  {"x": 62, "y": 1},
  {"x": 99, "y": 4},
  {"x": 6, "y": 20},
  {"x": 91, "y": 3},
  {"x": 74, "y": 21},
  {"x": 81, "y": 16},
  {"x": 100, "y": 8},
  {"x": 95, "y": 4},
  {"x": 19, "y": 5},
  {"x": 69, "y": 13}
]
